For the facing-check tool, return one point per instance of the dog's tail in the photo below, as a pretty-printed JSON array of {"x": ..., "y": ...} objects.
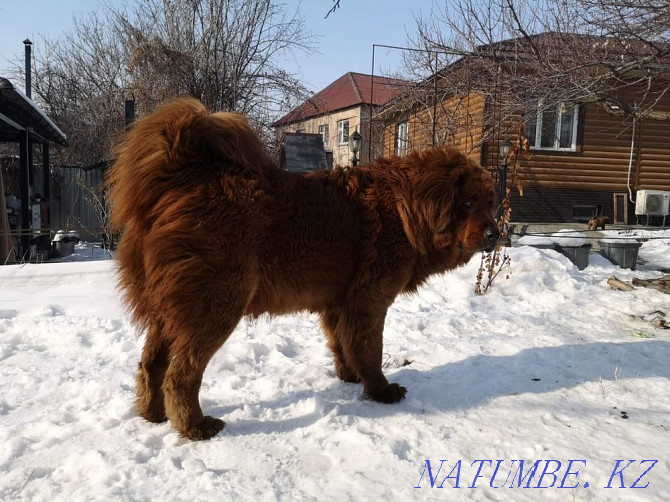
[{"x": 179, "y": 146}]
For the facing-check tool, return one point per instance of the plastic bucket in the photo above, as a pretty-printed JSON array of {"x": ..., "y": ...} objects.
[
  {"x": 579, "y": 255},
  {"x": 623, "y": 254}
]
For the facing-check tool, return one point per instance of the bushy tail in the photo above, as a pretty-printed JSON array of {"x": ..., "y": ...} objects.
[{"x": 179, "y": 145}]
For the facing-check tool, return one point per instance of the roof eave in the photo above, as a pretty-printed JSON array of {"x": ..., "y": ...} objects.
[{"x": 36, "y": 119}]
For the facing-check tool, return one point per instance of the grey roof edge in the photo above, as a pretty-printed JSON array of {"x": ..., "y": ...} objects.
[{"x": 34, "y": 111}]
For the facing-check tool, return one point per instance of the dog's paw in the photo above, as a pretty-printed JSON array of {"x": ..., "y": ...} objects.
[
  {"x": 154, "y": 417},
  {"x": 206, "y": 429},
  {"x": 391, "y": 394}
]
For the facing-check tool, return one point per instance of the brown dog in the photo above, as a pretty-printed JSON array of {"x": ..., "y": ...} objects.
[
  {"x": 598, "y": 221},
  {"x": 214, "y": 231}
]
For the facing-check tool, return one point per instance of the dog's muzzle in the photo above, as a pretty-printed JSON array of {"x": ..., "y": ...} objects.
[{"x": 490, "y": 238}]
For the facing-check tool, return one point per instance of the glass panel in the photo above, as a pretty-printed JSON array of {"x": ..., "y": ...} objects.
[
  {"x": 343, "y": 131},
  {"x": 323, "y": 130},
  {"x": 567, "y": 126},
  {"x": 548, "y": 139},
  {"x": 403, "y": 136},
  {"x": 530, "y": 125}
]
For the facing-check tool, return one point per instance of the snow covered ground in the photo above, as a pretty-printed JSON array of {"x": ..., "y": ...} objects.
[{"x": 552, "y": 368}]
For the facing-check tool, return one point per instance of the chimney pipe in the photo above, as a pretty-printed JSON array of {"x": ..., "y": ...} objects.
[
  {"x": 130, "y": 111},
  {"x": 29, "y": 46}
]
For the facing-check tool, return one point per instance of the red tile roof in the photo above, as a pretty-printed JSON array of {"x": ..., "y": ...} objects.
[{"x": 351, "y": 89}]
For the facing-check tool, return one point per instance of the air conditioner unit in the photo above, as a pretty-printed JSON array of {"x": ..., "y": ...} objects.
[{"x": 652, "y": 203}]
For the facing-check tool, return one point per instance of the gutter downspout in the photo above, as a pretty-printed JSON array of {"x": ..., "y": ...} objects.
[{"x": 630, "y": 160}]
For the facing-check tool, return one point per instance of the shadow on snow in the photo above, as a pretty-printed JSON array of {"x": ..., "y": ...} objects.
[{"x": 472, "y": 382}]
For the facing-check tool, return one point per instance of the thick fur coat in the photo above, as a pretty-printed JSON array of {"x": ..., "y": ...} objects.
[{"x": 213, "y": 230}]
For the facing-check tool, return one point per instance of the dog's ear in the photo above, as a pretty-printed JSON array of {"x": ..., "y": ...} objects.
[{"x": 426, "y": 209}]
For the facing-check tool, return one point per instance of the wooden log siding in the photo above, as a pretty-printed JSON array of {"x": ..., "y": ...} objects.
[
  {"x": 654, "y": 159},
  {"x": 459, "y": 123},
  {"x": 603, "y": 162}
]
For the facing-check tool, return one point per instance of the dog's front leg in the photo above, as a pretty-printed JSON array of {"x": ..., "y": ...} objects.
[{"x": 360, "y": 332}]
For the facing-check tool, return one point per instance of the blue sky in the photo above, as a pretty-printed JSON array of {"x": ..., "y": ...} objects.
[{"x": 344, "y": 40}]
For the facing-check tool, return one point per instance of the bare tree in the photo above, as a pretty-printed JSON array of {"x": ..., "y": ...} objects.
[
  {"x": 336, "y": 5},
  {"x": 227, "y": 53},
  {"x": 79, "y": 79},
  {"x": 590, "y": 51}
]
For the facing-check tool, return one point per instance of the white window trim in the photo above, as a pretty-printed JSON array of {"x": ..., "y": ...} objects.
[
  {"x": 340, "y": 130},
  {"x": 324, "y": 130},
  {"x": 556, "y": 147},
  {"x": 401, "y": 151}
]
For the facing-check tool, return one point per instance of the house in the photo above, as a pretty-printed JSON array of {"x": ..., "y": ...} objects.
[
  {"x": 340, "y": 109},
  {"x": 587, "y": 150}
]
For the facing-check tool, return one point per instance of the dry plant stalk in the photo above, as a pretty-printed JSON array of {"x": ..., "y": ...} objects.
[{"x": 494, "y": 262}]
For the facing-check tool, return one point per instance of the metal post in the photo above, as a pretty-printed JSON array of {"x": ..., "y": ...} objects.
[
  {"x": 28, "y": 50},
  {"x": 372, "y": 94},
  {"x": 28, "y": 62},
  {"x": 46, "y": 177},
  {"x": 502, "y": 190},
  {"x": 24, "y": 178},
  {"x": 46, "y": 172},
  {"x": 435, "y": 101},
  {"x": 503, "y": 181}
]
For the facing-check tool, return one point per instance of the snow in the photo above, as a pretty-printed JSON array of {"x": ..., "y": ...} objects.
[
  {"x": 566, "y": 238},
  {"x": 536, "y": 240},
  {"x": 570, "y": 238},
  {"x": 618, "y": 240},
  {"x": 551, "y": 364},
  {"x": 61, "y": 235}
]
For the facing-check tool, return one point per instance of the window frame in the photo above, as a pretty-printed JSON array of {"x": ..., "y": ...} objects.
[
  {"x": 341, "y": 139},
  {"x": 539, "y": 117},
  {"x": 324, "y": 131},
  {"x": 401, "y": 127}
]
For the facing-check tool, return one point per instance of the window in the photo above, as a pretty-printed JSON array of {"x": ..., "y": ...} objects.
[
  {"x": 552, "y": 128},
  {"x": 343, "y": 132},
  {"x": 323, "y": 131},
  {"x": 402, "y": 138}
]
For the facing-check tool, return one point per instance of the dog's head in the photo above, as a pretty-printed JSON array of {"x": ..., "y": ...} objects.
[{"x": 448, "y": 203}]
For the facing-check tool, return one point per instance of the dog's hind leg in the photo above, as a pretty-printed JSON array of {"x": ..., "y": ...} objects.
[
  {"x": 329, "y": 321},
  {"x": 181, "y": 387},
  {"x": 150, "y": 375},
  {"x": 188, "y": 359},
  {"x": 195, "y": 342}
]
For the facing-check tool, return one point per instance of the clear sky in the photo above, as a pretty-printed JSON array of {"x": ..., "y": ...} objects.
[{"x": 344, "y": 40}]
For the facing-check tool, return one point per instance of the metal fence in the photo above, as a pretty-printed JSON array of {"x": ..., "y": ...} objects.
[{"x": 77, "y": 202}]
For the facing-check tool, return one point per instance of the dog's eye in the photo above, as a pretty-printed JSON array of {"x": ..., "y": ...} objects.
[{"x": 468, "y": 204}]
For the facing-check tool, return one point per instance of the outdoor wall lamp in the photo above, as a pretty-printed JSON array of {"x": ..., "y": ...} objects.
[
  {"x": 505, "y": 147},
  {"x": 355, "y": 146}
]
